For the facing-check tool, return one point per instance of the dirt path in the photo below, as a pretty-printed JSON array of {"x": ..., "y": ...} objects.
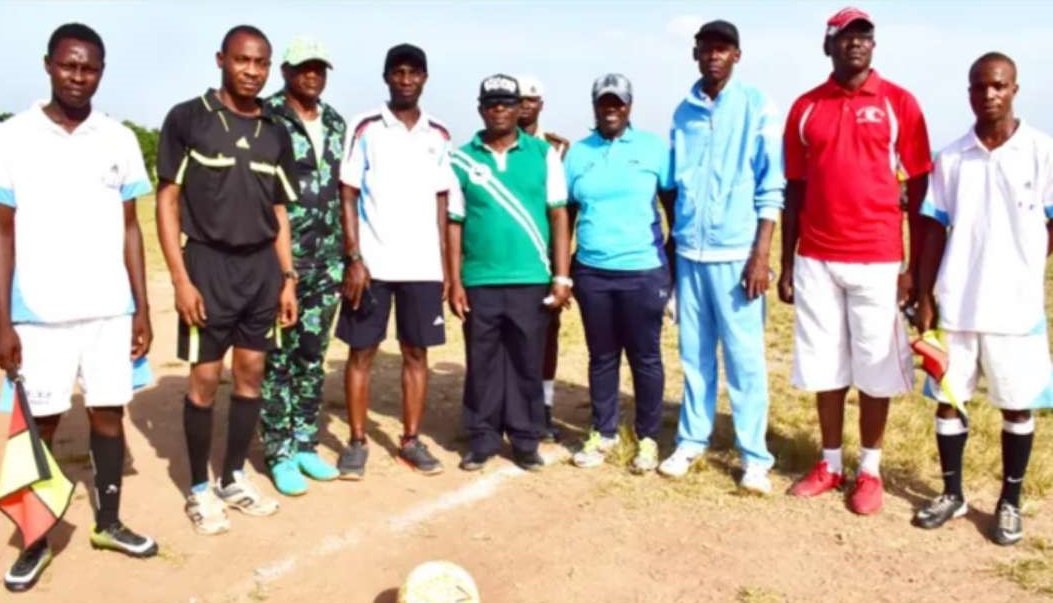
[{"x": 566, "y": 535}]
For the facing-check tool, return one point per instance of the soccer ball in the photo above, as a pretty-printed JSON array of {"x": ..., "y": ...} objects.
[{"x": 439, "y": 582}]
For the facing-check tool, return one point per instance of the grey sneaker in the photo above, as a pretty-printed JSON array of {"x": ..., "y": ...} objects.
[
  {"x": 944, "y": 508},
  {"x": 1009, "y": 528},
  {"x": 352, "y": 461},
  {"x": 207, "y": 512},
  {"x": 241, "y": 494},
  {"x": 414, "y": 453},
  {"x": 28, "y": 568}
]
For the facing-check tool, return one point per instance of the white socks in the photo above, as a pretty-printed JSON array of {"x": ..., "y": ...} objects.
[
  {"x": 549, "y": 388},
  {"x": 870, "y": 461},
  {"x": 832, "y": 456}
]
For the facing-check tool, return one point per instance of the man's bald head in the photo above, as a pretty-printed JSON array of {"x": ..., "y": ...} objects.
[{"x": 992, "y": 58}]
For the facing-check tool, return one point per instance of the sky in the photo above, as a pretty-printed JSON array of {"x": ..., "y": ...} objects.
[{"x": 162, "y": 52}]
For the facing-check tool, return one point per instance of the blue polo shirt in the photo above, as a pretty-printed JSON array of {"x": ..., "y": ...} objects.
[{"x": 614, "y": 184}]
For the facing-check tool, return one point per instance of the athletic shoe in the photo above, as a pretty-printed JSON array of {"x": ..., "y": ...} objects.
[
  {"x": 550, "y": 434},
  {"x": 755, "y": 480},
  {"x": 818, "y": 481},
  {"x": 314, "y": 467},
  {"x": 528, "y": 461},
  {"x": 414, "y": 453},
  {"x": 287, "y": 478},
  {"x": 942, "y": 509},
  {"x": 594, "y": 451},
  {"x": 119, "y": 538},
  {"x": 242, "y": 494},
  {"x": 867, "y": 494},
  {"x": 1009, "y": 528},
  {"x": 352, "y": 461},
  {"x": 646, "y": 458},
  {"x": 473, "y": 461},
  {"x": 678, "y": 463},
  {"x": 28, "y": 568},
  {"x": 207, "y": 512}
]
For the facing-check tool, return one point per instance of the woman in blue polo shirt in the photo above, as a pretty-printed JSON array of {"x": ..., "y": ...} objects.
[{"x": 620, "y": 271}]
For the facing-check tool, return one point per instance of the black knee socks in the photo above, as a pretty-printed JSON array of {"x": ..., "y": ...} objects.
[
  {"x": 241, "y": 426},
  {"x": 197, "y": 426},
  {"x": 107, "y": 459}
]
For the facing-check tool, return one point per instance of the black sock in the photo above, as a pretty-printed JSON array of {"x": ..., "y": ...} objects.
[
  {"x": 952, "y": 448},
  {"x": 197, "y": 426},
  {"x": 107, "y": 458},
  {"x": 1016, "y": 451},
  {"x": 241, "y": 426}
]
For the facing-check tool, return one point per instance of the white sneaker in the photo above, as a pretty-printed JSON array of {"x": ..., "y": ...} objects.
[
  {"x": 755, "y": 480},
  {"x": 646, "y": 458},
  {"x": 678, "y": 463},
  {"x": 594, "y": 452},
  {"x": 241, "y": 494},
  {"x": 207, "y": 512}
]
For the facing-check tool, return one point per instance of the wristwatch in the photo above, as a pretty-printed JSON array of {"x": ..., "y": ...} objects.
[
  {"x": 351, "y": 258},
  {"x": 291, "y": 275},
  {"x": 563, "y": 280}
]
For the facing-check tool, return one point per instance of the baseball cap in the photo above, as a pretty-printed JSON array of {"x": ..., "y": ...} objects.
[
  {"x": 530, "y": 86},
  {"x": 498, "y": 88},
  {"x": 613, "y": 83},
  {"x": 303, "y": 49},
  {"x": 845, "y": 17},
  {"x": 719, "y": 29},
  {"x": 405, "y": 54}
]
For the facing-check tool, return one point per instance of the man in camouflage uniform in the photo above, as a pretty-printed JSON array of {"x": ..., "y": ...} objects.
[{"x": 292, "y": 388}]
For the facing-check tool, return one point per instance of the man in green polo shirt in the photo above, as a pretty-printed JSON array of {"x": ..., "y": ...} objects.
[{"x": 506, "y": 214}]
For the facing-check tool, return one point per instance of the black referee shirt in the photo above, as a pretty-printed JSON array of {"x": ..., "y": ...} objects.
[{"x": 231, "y": 171}]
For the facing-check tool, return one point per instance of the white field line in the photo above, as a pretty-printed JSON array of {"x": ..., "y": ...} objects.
[{"x": 476, "y": 490}]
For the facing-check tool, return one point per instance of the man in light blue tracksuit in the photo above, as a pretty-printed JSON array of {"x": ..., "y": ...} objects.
[{"x": 727, "y": 155}]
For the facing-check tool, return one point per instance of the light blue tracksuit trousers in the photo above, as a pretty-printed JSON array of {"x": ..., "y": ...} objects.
[{"x": 712, "y": 307}]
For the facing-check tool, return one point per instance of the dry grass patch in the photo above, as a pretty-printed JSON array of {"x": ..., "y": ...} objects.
[{"x": 1033, "y": 571}]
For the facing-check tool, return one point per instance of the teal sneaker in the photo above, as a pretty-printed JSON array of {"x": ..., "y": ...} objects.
[
  {"x": 315, "y": 468},
  {"x": 287, "y": 478}
]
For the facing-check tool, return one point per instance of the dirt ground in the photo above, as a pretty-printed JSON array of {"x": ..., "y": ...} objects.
[{"x": 564, "y": 535}]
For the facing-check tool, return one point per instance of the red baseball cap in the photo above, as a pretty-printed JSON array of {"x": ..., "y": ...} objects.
[{"x": 845, "y": 17}]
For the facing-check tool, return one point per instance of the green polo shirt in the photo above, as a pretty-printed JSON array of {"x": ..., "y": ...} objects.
[{"x": 503, "y": 204}]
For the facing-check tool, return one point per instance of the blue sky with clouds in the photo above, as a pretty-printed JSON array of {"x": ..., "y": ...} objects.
[{"x": 161, "y": 52}]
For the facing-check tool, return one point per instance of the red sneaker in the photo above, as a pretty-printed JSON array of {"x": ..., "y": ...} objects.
[
  {"x": 818, "y": 481},
  {"x": 866, "y": 496}
]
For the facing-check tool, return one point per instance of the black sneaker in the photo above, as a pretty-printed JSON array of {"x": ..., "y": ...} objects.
[
  {"x": 414, "y": 453},
  {"x": 119, "y": 538},
  {"x": 352, "y": 461},
  {"x": 28, "y": 567},
  {"x": 1009, "y": 528},
  {"x": 473, "y": 461},
  {"x": 942, "y": 509},
  {"x": 528, "y": 461},
  {"x": 550, "y": 434}
]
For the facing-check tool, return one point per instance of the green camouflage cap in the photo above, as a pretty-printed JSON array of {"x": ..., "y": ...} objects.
[{"x": 303, "y": 49}]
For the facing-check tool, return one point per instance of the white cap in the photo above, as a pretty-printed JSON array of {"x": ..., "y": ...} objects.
[{"x": 530, "y": 86}]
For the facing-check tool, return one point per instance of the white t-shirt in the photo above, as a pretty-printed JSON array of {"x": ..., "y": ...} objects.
[
  {"x": 399, "y": 172},
  {"x": 68, "y": 191},
  {"x": 316, "y": 132},
  {"x": 996, "y": 205}
]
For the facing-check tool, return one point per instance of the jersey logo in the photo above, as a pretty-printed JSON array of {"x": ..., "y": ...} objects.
[
  {"x": 438, "y": 322},
  {"x": 869, "y": 115},
  {"x": 242, "y": 143}
]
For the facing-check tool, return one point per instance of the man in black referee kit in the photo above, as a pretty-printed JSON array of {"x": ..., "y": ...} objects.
[{"x": 223, "y": 167}]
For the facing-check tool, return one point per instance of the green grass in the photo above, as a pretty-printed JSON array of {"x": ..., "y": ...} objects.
[{"x": 1033, "y": 571}]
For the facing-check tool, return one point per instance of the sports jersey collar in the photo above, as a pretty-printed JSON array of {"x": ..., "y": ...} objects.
[
  {"x": 391, "y": 121},
  {"x": 1019, "y": 139},
  {"x": 697, "y": 97},
  {"x": 477, "y": 141},
  {"x": 212, "y": 103},
  {"x": 87, "y": 126},
  {"x": 629, "y": 135},
  {"x": 871, "y": 86}
]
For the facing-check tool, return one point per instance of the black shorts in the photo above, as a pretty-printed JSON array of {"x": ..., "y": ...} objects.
[
  {"x": 418, "y": 315},
  {"x": 241, "y": 290}
]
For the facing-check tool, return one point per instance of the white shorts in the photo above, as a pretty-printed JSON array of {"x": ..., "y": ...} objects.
[
  {"x": 95, "y": 353},
  {"x": 1017, "y": 368},
  {"x": 847, "y": 328}
]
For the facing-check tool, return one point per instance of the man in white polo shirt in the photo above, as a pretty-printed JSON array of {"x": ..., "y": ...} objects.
[
  {"x": 983, "y": 263},
  {"x": 395, "y": 177},
  {"x": 72, "y": 277}
]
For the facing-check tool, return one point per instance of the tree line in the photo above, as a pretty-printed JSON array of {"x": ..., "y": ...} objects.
[{"x": 148, "y": 139}]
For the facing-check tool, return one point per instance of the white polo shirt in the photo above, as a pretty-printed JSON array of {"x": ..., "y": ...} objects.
[
  {"x": 399, "y": 171},
  {"x": 996, "y": 204},
  {"x": 68, "y": 190}
]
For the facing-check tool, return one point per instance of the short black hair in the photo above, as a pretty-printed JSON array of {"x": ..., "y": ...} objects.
[
  {"x": 251, "y": 30},
  {"x": 993, "y": 57},
  {"x": 75, "y": 31}
]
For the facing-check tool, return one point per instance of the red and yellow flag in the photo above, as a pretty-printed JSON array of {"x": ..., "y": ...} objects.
[{"x": 34, "y": 493}]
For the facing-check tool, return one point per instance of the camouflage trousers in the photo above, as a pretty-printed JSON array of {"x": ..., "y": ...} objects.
[{"x": 295, "y": 372}]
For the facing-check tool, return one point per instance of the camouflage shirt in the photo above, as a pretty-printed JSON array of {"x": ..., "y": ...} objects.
[{"x": 317, "y": 235}]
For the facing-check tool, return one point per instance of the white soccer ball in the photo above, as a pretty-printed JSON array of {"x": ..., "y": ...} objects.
[{"x": 439, "y": 582}]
